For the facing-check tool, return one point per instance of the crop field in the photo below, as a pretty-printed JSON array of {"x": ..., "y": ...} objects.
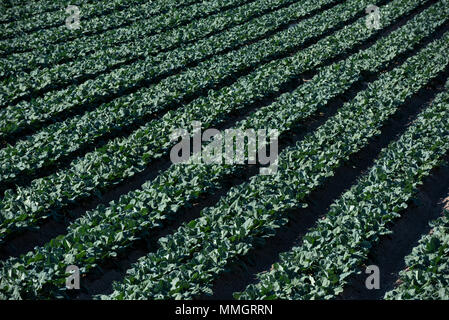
[{"x": 224, "y": 149}]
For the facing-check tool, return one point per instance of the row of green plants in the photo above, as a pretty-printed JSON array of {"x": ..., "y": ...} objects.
[
  {"x": 96, "y": 16},
  {"x": 16, "y": 10},
  {"x": 426, "y": 276},
  {"x": 132, "y": 154},
  {"x": 65, "y": 74},
  {"x": 339, "y": 244},
  {"x": 90, "y": 48},
  {"x": 188, "y": 261},
  {"x": 65, "y": 137},
  {"x": 130, "y": 77},
  {"x": 122, "y": 158},
  {"x": 107, "y": 230},
  {"x": 58, "y": 53},
  {"x": 29, "y": 43}
]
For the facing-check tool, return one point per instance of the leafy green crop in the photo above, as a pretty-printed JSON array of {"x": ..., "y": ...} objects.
[
  {"x": 103, "y": 232},
  {"x": 125, "y": 40},
  {"x": 150, "y": 24},
  {"x": 340, "y": 243},
  {"x": 65, "y": 137},
  {"x": 127, "y": 156},
  {"x": 20, "y": 10},
  {"x": 90, "y": 108},
  {"x": 427, "y": 274},
  {"x": 116, "y": 162},
  {"x": 28, "y": 113},
  {"x": 45, "y": 78},
  {"x": 191, "y": 258},
  {"x": 96, "y": 16}
]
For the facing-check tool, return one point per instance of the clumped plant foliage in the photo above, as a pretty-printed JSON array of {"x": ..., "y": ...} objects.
[{"x": 137, "y": 69}]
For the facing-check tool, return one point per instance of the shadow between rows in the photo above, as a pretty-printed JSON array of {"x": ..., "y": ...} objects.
[
  {"x": 98, "y": 279},
  {"x": 227, "y": 7},
  {"x": 17, "y": 244},
  {"x": 81, "y": 78},
  {"x": 259, "y": 260},
  {"x": 95, "y": 14},
  {"x": 389, "y": 254},
  {"x": 25, "y": 178}
]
